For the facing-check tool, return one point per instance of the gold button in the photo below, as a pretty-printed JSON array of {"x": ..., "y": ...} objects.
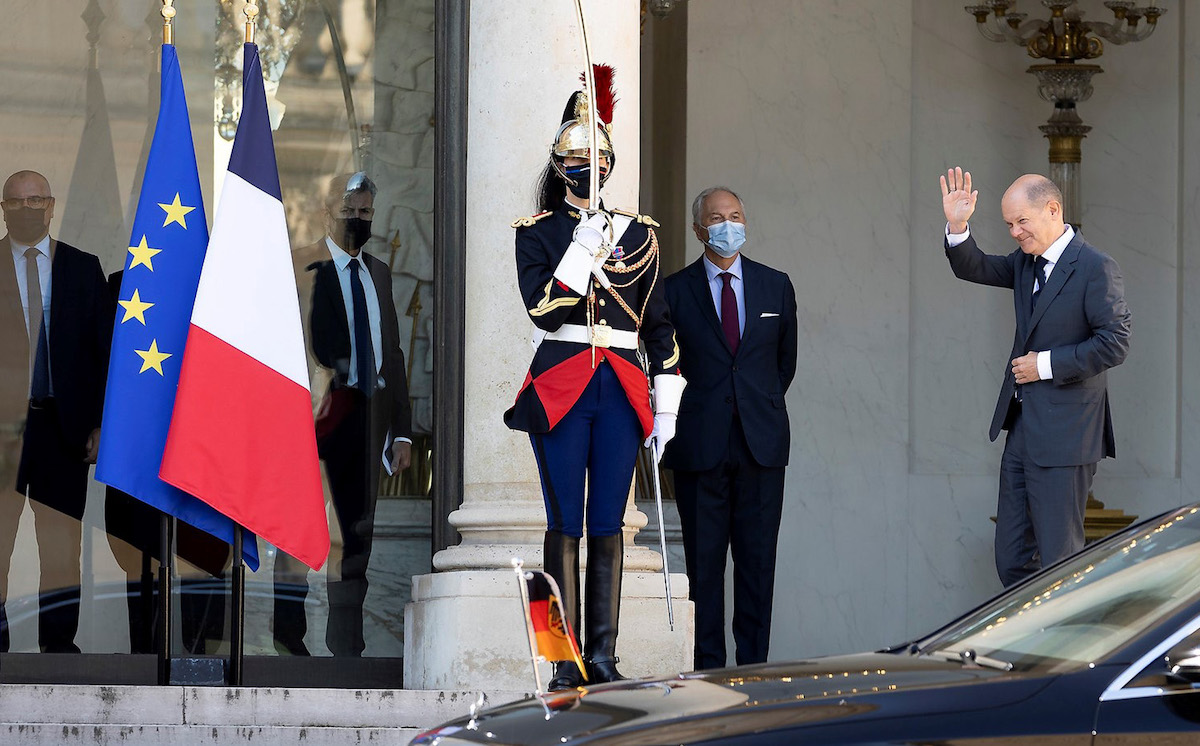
[
  {"x": 602, "y": 301},
  {"x": 603, "y": 322}
]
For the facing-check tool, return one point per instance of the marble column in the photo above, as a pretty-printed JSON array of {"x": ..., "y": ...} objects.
[{"x": 463, "y": 628}]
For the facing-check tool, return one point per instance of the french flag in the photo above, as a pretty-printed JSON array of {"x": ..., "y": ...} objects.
[{"x": 242, "y": 437}]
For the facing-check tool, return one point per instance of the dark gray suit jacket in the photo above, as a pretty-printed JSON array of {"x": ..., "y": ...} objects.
[{"x": 1082, "y": 319}]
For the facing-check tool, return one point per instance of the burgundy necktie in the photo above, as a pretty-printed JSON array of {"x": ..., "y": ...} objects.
[{"x": 729, "y": 313}]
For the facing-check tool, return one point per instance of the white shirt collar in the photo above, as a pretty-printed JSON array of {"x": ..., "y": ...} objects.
[
  {"x": 1054, "y": 252},
  {"x": 19, "y": 249},
  {"x": 339, "y": 255},
  {"x": 713, "y": 270}
]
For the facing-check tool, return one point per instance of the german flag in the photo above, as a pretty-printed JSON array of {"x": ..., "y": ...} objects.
[{"x": 555, "y": 640}]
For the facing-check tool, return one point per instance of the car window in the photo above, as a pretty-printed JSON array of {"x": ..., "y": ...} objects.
[{"x": 1092, "y": 605}]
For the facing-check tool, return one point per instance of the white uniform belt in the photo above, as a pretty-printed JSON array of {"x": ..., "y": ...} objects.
[{"x": 605, "y": 336}]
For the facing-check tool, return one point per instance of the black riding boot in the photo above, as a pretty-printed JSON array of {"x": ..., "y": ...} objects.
[
  {"x": 560, "y": 557},
  {"x": 603, "y": 604}
]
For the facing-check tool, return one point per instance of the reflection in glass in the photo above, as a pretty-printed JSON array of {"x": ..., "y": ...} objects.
[
  {"x": 81, "y": 89},
  {"x": 362, "y": 411},
  {"x": 1102, "y": 599},
  {"x": 59, "y": 378}
]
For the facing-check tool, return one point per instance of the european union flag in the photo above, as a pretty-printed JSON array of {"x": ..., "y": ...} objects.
[{"x": 158, "y": 289}]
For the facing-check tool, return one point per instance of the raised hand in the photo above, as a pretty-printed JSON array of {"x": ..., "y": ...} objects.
[{"x": 958, "y": 200}]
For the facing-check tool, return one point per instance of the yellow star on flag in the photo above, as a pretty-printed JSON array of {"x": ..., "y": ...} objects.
[
  {"x": 152, "y": 358},
  {"x": 142, "y": 254},
  {"x": 135, "y": 308},
  {"x": 176, "y": 212}
]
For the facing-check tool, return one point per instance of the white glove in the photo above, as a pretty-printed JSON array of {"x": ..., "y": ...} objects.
[
  {"x": 585, "y": 255},
  {"x": 664, "y": 430},
  {"x": 590, "y": 232}
]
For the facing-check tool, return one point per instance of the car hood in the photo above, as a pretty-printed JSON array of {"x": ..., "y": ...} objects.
[{"x": 711, "y": 704}]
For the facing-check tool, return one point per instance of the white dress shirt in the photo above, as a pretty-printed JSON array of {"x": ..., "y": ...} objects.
[
  {"x": 1052, "y": 254},
  {"x": 716, "y": 284},
  {"x": 43, "y": 260},
  {"x": 342, "y": 260}
]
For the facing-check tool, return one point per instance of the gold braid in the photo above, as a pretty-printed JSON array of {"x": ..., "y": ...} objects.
[{"x": 643, "y": 265}]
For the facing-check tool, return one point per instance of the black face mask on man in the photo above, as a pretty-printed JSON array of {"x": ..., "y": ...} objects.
[
  {"x": 26, "y": 224},
  {"x": 353, "y": 232}
]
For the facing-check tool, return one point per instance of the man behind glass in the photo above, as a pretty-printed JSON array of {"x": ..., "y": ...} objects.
[
  {"x": 363, "y": 417},
  {"x": 55, "y": 329}
]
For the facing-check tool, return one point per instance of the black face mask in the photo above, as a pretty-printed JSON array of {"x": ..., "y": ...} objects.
[
  {"x": 354, "y": 232},
  {"x": 582, "y": 175},
  {"x": 26, "y": 224}
]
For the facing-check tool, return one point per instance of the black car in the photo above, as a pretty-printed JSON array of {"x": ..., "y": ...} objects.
[{"x": 1102, "y": 648}]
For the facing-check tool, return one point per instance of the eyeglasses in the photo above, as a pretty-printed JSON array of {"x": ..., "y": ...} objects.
[{"x": 16, "y": 203}]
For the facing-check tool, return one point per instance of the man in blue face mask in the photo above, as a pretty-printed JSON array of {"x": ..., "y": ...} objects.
[{"x": 735, "y": 321}]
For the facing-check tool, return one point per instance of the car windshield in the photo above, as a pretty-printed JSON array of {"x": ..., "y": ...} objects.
[{"x": 1091, "y": 605}]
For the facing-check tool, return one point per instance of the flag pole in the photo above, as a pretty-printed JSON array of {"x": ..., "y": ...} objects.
[
  {"x": 168, "y": 13},
  {"x": 251, "y": 11},
  {"x": 166, "y": 568},
  {"x": 166, "y": 523},
  {"x": 237, "y": 611},
  {"x": 519, "y": 566}
]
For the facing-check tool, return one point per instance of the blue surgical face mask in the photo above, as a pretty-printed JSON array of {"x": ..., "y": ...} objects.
[{"x": 726, "y": 238}]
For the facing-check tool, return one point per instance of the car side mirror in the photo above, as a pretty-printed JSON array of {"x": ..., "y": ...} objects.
[{"x": 1183, "y": 661}]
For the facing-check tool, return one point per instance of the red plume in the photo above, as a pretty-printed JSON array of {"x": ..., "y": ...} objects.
[{"x": 606, "y": 95}]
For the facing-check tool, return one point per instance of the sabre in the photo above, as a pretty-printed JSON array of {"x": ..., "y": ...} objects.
[
  {"x": 662, "y": 534},
  {"x": 593, "y": 144},
  {"x": 658, "y": 506}
]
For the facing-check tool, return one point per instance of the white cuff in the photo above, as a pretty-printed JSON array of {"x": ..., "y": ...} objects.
[
  {"x": 575, "y": 268},
  {"x": 668, "y": 390},
  {"x": 954, "y": 239},
  {"x": 1045, "y": 372},
  {"x": 402, "y": 440}
]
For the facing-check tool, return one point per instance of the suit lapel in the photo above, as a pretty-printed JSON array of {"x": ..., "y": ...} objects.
[
  {"x": 327, "y": 277},
  {"x": 698, "y": 282},
  {"x": 380, "y": 275},
  {"x": 15, "y": 332},
  {"x": 1024, "y": 293},
  {"x": 56, "y": 302},
  {"x": 752, "y": 295},
  {"x": 12, "y": 292},
  {"x": 1063, "y": 269}
]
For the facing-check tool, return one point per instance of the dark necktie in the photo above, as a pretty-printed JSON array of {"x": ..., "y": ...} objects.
[
  {"x": 363, "y": 349},
  {"x": 729, "y": 313},
  {"x": 1039, "y": 265},
  {"x": 39, "y": 350}
]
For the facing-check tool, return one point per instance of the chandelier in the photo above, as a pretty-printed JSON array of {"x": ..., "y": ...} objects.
[{"x": 1063, "y": 40}]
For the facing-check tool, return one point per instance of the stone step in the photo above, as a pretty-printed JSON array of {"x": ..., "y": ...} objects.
[{"x": 165, "y": 716}]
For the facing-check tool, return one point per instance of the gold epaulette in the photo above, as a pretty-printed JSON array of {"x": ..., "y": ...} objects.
[
  {"x": 526, "y": 222},
  {"x": 643, "y": 219}
]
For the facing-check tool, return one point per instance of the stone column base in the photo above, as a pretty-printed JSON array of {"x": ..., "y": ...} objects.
[{"x": 466, "y": 629}]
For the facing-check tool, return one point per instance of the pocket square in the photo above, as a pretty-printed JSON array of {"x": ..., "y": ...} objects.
[{"x": 767, "y": 315}]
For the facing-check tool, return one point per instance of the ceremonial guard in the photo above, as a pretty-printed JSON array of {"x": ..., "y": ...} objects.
[{"x": 589, "y": 277}]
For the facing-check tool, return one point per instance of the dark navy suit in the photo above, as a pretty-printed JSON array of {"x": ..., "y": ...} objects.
[
  {"x": 1060, "y": 428},
  {"x": 730, "y": 451}
]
